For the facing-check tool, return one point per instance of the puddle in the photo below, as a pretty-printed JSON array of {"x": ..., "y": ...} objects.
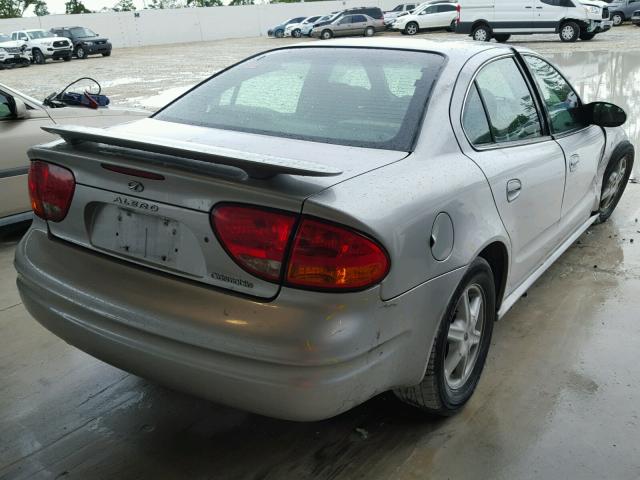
[{"x": 607, "y": 76}]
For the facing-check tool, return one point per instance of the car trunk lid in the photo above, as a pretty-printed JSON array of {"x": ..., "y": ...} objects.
[{"x": 144, "y": 191}]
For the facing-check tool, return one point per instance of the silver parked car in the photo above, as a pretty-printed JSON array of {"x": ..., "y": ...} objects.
[
  {"x": 348, "y": 25},
  {"x": 21, "y": 122},
  {"x": 319, "y": 224}
]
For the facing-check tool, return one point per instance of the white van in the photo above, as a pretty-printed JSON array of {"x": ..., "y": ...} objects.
[{"x": 499, "y": 19}]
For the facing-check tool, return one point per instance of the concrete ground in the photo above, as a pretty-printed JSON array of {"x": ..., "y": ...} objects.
[{"x": 558, "y": 399}]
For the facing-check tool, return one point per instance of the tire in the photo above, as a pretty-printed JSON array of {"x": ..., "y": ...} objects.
[
  {"x": 437, "y": 393},
  {"x": 106, "y": 54},
  {"x": 482, "y": 33},
  {"x": 617, "y": 18},
  {"x": 67, "y": 58},
  {"x": 326, "y": 34},
  {"x": 279, "y": 33},
  {"x": 369, "y": 32},
  {"x": 452, "y": 26},
  {"x": 297, "y": 33},
  {"x": 81, "y": 53},
  {"x": 38, "y": 57},
  {"x": 502, "y": 37},
  {"x": 411, "y": 28},
  {"x": 615, "y": 179},
  {"x": 569, "y": 31},
  {"x": 585, "y": 36}
]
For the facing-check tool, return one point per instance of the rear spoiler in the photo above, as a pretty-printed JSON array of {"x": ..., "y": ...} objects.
[{"x": 256, "y": 165}]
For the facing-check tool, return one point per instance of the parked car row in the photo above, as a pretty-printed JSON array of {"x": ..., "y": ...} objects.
[
  {"x": 24, "y": 47},
  {"x": 352, "y": 21}
]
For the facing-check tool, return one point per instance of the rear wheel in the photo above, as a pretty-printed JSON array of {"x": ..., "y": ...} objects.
[
  {"x": 587, "y": 36},
  {"x": 617, "y": 18},
  {"x": 615, "y": 179},
  {"x": 411, "y": 28},
  {"x": 460, "y": 348},
  {"x": 482, "y": 33},
  {"x": 569, "y": 32},
  {"x": 452, "y": 26},
  {"x": 369, "y": 32},
  {"x": 326, "y": 34},
  {"x": 502, "y": 37}
]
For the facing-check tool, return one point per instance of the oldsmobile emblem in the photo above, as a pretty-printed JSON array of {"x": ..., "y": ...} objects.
[{"x": 136, "y": 186}]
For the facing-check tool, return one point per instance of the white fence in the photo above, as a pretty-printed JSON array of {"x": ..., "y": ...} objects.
[{"x": 155, "y": 27}]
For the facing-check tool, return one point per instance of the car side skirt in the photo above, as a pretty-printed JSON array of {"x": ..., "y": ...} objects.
[{"x": 514, "y": 296}]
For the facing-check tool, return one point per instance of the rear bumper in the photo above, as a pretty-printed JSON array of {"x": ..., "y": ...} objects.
[{"x": 304, "y": 356}]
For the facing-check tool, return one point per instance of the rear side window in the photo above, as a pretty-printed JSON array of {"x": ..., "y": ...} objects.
[
  {"x": 347, "y": 96},
  {"x": 359, "y": 19},
  {"x": 512, "y": 113},
  {"x": 474, "y": 119},
  {"x": 446, "y": 8}
]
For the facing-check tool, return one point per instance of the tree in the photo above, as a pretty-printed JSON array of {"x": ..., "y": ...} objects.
[
  {"x": 124, "y": 6},
  {"x": 41, "y": 8},
  {"x": 75, "y": 6},
  {"x": 14, "y": 8},
  {"x": 163, "y": 4},
  {"x": 241, "y": 2},
  {"x": 204, "y": 3}
]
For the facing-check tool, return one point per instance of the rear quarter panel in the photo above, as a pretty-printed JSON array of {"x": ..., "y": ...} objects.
[{"x": 397, "y": 204}]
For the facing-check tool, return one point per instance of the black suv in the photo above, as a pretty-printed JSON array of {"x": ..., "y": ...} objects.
[{"x": 85, "y": 41}]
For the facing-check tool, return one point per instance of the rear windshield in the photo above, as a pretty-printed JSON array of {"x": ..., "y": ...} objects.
[{"x": 347, "y": 96}]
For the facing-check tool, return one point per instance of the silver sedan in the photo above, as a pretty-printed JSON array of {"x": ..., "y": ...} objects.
[{"x": 318, "y": 224}]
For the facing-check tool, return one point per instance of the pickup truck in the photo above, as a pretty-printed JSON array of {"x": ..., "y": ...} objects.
[{"x": 44, "y": 45}]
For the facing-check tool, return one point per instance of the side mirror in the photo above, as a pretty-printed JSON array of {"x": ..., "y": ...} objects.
[
  {"x": 604, "y": 114},
  {"x": 19, "y": 109}
]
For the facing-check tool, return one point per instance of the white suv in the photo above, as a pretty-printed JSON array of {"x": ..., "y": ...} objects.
[
  {"x": 13, "y": 53},
  {"x": 499, "y": 19},
  {"x": 427, "y": 16},
  {"x": 43, "y": 45}
]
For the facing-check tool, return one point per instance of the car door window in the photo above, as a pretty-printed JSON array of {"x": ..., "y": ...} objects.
[
  {"x": 510, "y": 107},
  {"x": 428, "y": 10},
  {"x": 23, "y": 36},
  {"x": 446, "y": 8},
  {"x": 5, "y": 107},
  {"x": 561, "y": 100},
  {"x": 345, "y": 20},
  {"x": 474, "y": 119}
]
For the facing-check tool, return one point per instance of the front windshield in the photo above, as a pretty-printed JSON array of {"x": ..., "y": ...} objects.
[
  {"x": 4, "y": 38},
  {"x": 346, "y": 96},
  {"x": 82, "y": 32},
  {"x": 39, "y": 34}
]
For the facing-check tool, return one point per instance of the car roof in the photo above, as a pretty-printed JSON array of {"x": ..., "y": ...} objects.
[{"x": 454, "y": 48}]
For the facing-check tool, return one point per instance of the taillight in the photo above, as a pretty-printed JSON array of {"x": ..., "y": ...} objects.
[
  {"x": 51, "y": 189},
  {"x": 458, "y": 9},
  {"x": 256, "y": 238},
  {"x": 325, "y": 256}
]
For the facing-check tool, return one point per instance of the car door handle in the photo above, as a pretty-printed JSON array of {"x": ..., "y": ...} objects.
[
  {"x": 514, "y": 188},
  {"x": 573, "y": 162}
]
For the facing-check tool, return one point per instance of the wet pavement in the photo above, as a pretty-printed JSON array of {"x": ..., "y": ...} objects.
[{"x": 558, "y": 399}]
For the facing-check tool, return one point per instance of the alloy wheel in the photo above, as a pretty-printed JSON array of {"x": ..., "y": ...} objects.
[
  {"x": 617, "y": 20},
  {"x": 613, "y": 184},
  {"x": 412, "y": 29},
  {"x": 464, "y": 337}
]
